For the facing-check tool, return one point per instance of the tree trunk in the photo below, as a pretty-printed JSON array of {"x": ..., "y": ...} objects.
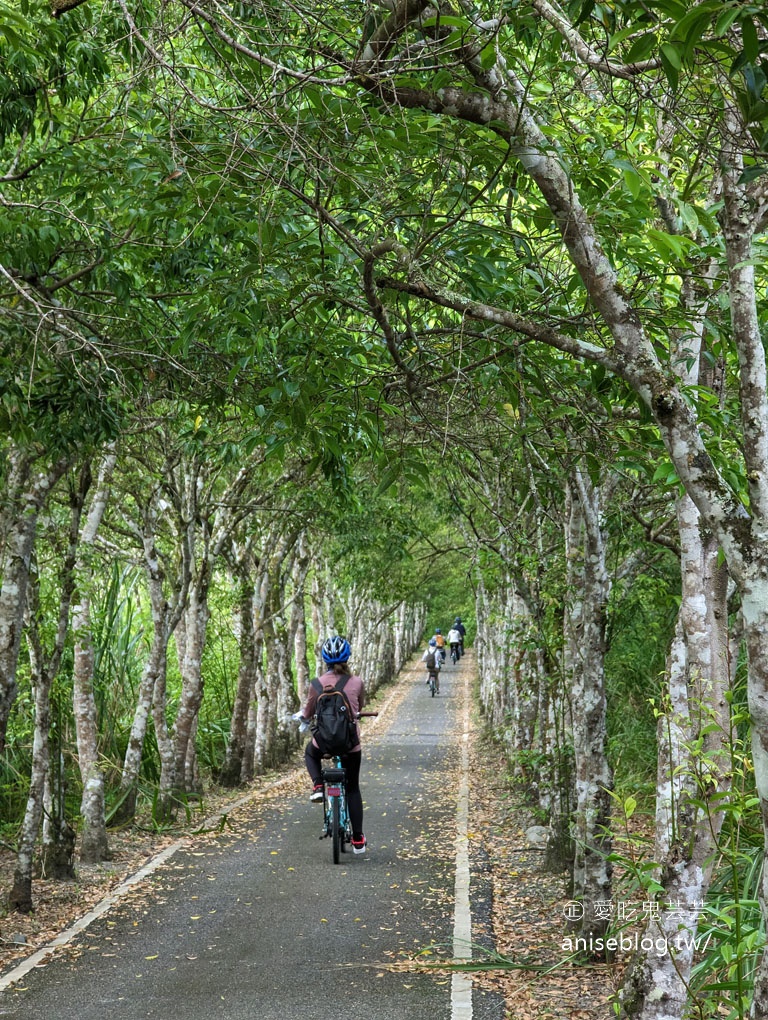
[
  {"x": 231, "y": 772},
  {"x": 298, "y": 626},
  {"x": 191, "y": 641},
  {"x": 28, "y": 492},
  {"x": 754, "y": 594},
  {"x": 44, "y": 668},
  {"x": 251, "y": 752},
  {"x": 281, "y": 699},
  {"x": 696, "y": 711},
  {"x": 129, "y": 780},
  {"x": 93, "y": 841},
  {"x": 20, "y": 896},
  {"x": 165, "y": 616},
  {"x": 165, "y": 804},
  {"x": 589, "y": 588}
]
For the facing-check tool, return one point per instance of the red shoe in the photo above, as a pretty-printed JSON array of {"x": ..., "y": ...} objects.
[
  {"x": 317, "y": 793},
  {"x": 358, "y": 845}
]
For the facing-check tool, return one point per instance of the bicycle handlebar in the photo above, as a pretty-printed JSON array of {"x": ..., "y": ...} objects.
[{"x": 297, "y": 718}]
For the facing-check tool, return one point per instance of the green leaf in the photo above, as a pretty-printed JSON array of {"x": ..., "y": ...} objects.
[
  {"x": 672, "y": 54},
  {"x": 633, "y": 182},
  {"x": 389, "y": 477},
  {"x": 749, "y": 39},
  {"x": 447, "y": 19},
  {"x": 688, "y": 214},
  {"x": 442, "y": 79},
  {"x": 726, "y": 19},
  {"x": 751, "y": 173},
  {"x": 620, "y": 36},
  {"x": 671, "y": 71},
  {"x": 488, "y": 56},
  {"x": 691, "y": 27},
  {"x": 642, "y": 48}
]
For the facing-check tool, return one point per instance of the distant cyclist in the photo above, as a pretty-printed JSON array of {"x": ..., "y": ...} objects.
[
  {"x": 462, "y": 630},
  {"x": 440, "y": 642},
  {"x": 454, "y": 640},
  {"x": 336, "y": 653},
  {"x": 431, "y": 659}
]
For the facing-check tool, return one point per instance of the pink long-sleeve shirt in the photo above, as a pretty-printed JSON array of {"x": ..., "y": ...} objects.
[{"x": 355, "y": 694}]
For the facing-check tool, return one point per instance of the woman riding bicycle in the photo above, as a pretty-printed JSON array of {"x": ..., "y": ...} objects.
[
  {"x": 454, "y": 640},
  {"x": 336, "y": 653}
]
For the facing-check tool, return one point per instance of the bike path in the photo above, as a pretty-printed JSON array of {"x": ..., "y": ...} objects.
[{"x": 258, "y": 922}]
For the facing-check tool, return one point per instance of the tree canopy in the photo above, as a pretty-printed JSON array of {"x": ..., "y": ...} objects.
[{"x": 444, "y": 305}]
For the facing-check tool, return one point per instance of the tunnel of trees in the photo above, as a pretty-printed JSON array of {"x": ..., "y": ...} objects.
[{"x": 352, "y": 317}]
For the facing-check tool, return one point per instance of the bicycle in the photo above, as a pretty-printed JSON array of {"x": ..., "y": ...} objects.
[
  {"x": 336, "y": 822},
  {"x": 454, "y": 654},
  {"x": 432, "y": 681}
]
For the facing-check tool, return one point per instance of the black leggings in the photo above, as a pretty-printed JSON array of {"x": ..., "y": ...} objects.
[{"x": 351, "y": 764}]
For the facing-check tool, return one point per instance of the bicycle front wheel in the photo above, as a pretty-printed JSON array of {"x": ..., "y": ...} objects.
[{"x": 336, "y": 830}]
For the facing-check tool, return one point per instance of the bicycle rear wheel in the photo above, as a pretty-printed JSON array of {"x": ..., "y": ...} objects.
[
  {"x": 345, "y": 827},
  {"x": 336, "y": 829}
]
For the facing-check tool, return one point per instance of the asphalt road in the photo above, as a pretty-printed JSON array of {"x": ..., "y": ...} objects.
[{"x": 259, "y": 923}]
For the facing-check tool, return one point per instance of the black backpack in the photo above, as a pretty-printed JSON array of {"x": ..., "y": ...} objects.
[
  {"x": 333, "y": 726},
  {"x": 431, "y": 662}
]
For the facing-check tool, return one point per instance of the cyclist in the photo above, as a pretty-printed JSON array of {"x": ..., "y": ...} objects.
[
  {"x": 462, "y": 630},
  {"x": 440, "y": 641},
  {"x": 431, "y": 659},
  {"x": 336, "y": 653},
  {"x": 454, "y": 640}
]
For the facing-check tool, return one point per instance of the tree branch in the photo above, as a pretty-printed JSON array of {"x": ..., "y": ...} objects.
[{"x": 491, "y": 313}]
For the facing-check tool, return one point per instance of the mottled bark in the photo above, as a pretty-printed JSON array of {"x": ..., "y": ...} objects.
[
  {"x": 282, "y": 697},
  {"x": 20, "y": 896},
  {"x": 689, "y": 776},
  {"x": 323, "y": 608},
  {"x": 750, "y": 567},
  {"x": 27, "y": 491},
  {"x": 93, "y": 839},
  {"x": 44, "y": 668},
  {"x": 127, "y": 798},
  {"x": 93, "y": 842},
  {"x": 190, "y": 641},
  {"x": 588, "y": 590},
  {"x": 166, "y": 612},
  {"x": 205, "y": 523},
  {"x": 261, "y": 727},
  {"x": 250, "y": 750},
  {"x": 231, "y": 772},
  {"x": 754, "y": 596},
  {"x": 165, "y": 803},
  {"x": 298, "y": 625}
]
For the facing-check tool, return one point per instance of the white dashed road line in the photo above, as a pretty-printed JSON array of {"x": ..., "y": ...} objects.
[{"x": 461, "y": 983}]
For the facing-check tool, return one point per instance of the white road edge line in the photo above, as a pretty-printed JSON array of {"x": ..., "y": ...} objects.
[
  {"x": 20, "y": 971},
  {"x": 82, "y": 923},
  {"x": 461, "y": 983}
]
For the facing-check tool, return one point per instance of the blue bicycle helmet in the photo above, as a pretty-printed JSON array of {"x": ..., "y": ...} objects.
[
  {"x": 438, "y": 631},
  {"x": 336, "y": 649},
  {"x": 432, "y": 642}
]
